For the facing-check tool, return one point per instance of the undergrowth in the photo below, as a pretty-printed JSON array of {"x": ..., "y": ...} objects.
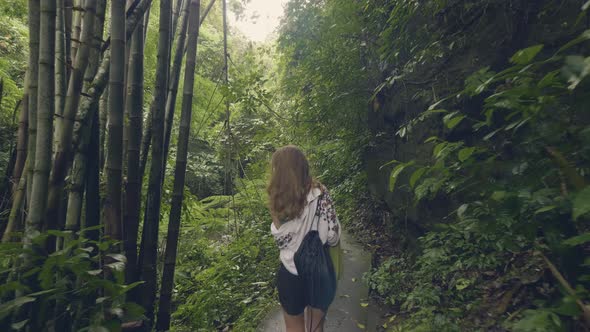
[
  {"x": 512, "y": 254},
  {"x": 226, "y": 270}
]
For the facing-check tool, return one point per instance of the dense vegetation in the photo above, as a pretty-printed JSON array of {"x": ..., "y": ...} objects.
[{"x": 456, "y": 130}]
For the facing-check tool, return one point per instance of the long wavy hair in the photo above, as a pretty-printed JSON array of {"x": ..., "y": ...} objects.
[{"x": 290, "y": 181}]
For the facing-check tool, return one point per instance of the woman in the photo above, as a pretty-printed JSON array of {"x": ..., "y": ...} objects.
[{"x": 294, "y": 197}]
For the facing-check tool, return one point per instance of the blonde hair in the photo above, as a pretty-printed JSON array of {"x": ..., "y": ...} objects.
[{"x": 290, "y": 181}]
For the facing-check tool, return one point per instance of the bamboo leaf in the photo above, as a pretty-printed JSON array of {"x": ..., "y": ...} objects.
[
  {"x": 465, "y": 153},
  {"x": 10, "y": 306},
  {"x": 19, "y": 325},
  {"x": 581, "y": 203},
  {"x": 395, "y": 173},
  {"x": 577, "y": 240},
  {"x": 545, "y": 209},
  {"x": 438, "y": 148},
  {"x": 548, "y": 79},
  {"x": 581, "y": 38},
  {"x": 525, "y": 56},
  {"x": 451, "y": 120},
  {"x": 416, "y": 176}
]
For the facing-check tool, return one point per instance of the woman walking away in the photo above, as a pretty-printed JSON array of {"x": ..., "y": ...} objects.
[{"x": 304, "y": 224}]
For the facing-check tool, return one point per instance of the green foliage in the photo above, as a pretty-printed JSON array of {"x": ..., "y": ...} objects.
[
  {"x": 513, "y": 172},
  {"x": 226, "y": 278},
  {"x": 82, "y": 280},
  {"x": 13, "y": 60}
]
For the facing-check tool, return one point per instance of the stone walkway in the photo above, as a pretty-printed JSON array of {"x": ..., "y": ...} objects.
[{"x": 351, "y": 310}]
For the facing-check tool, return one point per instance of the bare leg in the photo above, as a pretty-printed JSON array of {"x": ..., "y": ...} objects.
[
  {"x": 294, "y": 323},
  {"x": 315, "y": 319}
]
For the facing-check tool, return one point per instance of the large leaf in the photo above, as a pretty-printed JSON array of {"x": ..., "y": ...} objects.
[
  {"x": 395, "y": 173},
  {"x": 416, "y": 176},
  {"x": 577, "y": 240},
  {"x": 581, "y": 38},
  {"x": 453, "y": 119},
  {"x": 582, "y": 203},
  {"x": 465, "y": 153},
  {"x": 525, "y": 56},
  {"x": 10, "y": 306}
]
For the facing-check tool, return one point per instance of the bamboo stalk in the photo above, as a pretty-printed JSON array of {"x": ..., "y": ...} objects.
[
  {"x": 164, "y": 308},
  {"x": 34, "y": 10},
  {"x": 175, "y": 79},
  {"x": 63, "y": 154},
  {"x": 21, "y": 138},
  {"x": 76, "y": 29},
  {"x": 46, "y": 104},
  {"x": 68, "y": 6},
  {"x": 112, "y": 203},
  {"x": 103, "y": 118},
  {"x": 61, "y": 84},
  {"x": 152, "y": 210},
  {"x": 134, "y": 107},
  {"x": 16, "y": 210},
  {"x": 568, "y": 288},
  {"x": 78, "y": 176}
]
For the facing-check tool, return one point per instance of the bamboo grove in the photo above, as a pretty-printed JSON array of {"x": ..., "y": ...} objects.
[{"x": 82, "y": 155}]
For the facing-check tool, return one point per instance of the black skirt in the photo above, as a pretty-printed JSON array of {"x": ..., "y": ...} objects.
[{"x": 294, "y": 294}]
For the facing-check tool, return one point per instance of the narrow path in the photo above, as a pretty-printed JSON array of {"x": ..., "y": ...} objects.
[{"x": 349, "y": 312}]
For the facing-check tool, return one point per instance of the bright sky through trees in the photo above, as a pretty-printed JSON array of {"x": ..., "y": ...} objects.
[{"x": 261, "y": 18}]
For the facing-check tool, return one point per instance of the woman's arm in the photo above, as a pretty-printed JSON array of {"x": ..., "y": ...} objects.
[{"x": 328, "y": 215}]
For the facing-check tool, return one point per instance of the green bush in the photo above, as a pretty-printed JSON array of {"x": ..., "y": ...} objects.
[
  {"x": 517, "y": 172},
  {"x": 82, "y": 281}
]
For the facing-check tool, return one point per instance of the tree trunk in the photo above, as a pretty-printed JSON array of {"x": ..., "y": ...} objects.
[
  {"x": 63, "y": 155},
  {"x": 61, "y": 85},
  {"x": 175, "y": 75},
  {"x": 134, "y": 106},
  {"x": 103, "y": 111},
  {"x": 175, "y": 78},
  {"x": 179, "y": 172},
  {"x": 68, "y": 4},
  {"x": 227, "y": 190},
  {"x": 178, "y": 5},
  {"x": 21, "y": 137},
  {"x": 46, "y": 104},
  {"x": 146, "y": 23},
  {"x": 93, "y": 182},
  {"x": 76, "y": 28},
  {"x": 78, "y": 176},
  {"x": 96, "y": 44},
  {"x": 33, "y": 87},
  {"x": 82, "y": 138},
  {"x": 207, "y": 10},
  {"x": 154, "y": 197},
  {"x": 16, "y": 211},
  {"x": 112, "y": 202},
  {"x": 146, "y": 141}
]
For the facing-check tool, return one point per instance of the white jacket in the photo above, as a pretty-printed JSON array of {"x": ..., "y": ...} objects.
[{"x": 291, "y": 233}]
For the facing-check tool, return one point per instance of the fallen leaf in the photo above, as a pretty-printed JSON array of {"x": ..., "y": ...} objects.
[
  {"x": 361, "y": 326},
  {"x": 364, "y": 304},
  {"x": 353, "y": 279}
]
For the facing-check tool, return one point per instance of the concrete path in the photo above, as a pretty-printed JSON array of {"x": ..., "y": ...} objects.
[{"x": 351, "y": 310}]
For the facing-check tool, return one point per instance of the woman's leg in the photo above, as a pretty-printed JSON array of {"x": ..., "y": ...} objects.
[
  {"x": 294, "y": 323},
  {"x": 315, "y": 319},
  {"x": 292, "y": 298}
]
